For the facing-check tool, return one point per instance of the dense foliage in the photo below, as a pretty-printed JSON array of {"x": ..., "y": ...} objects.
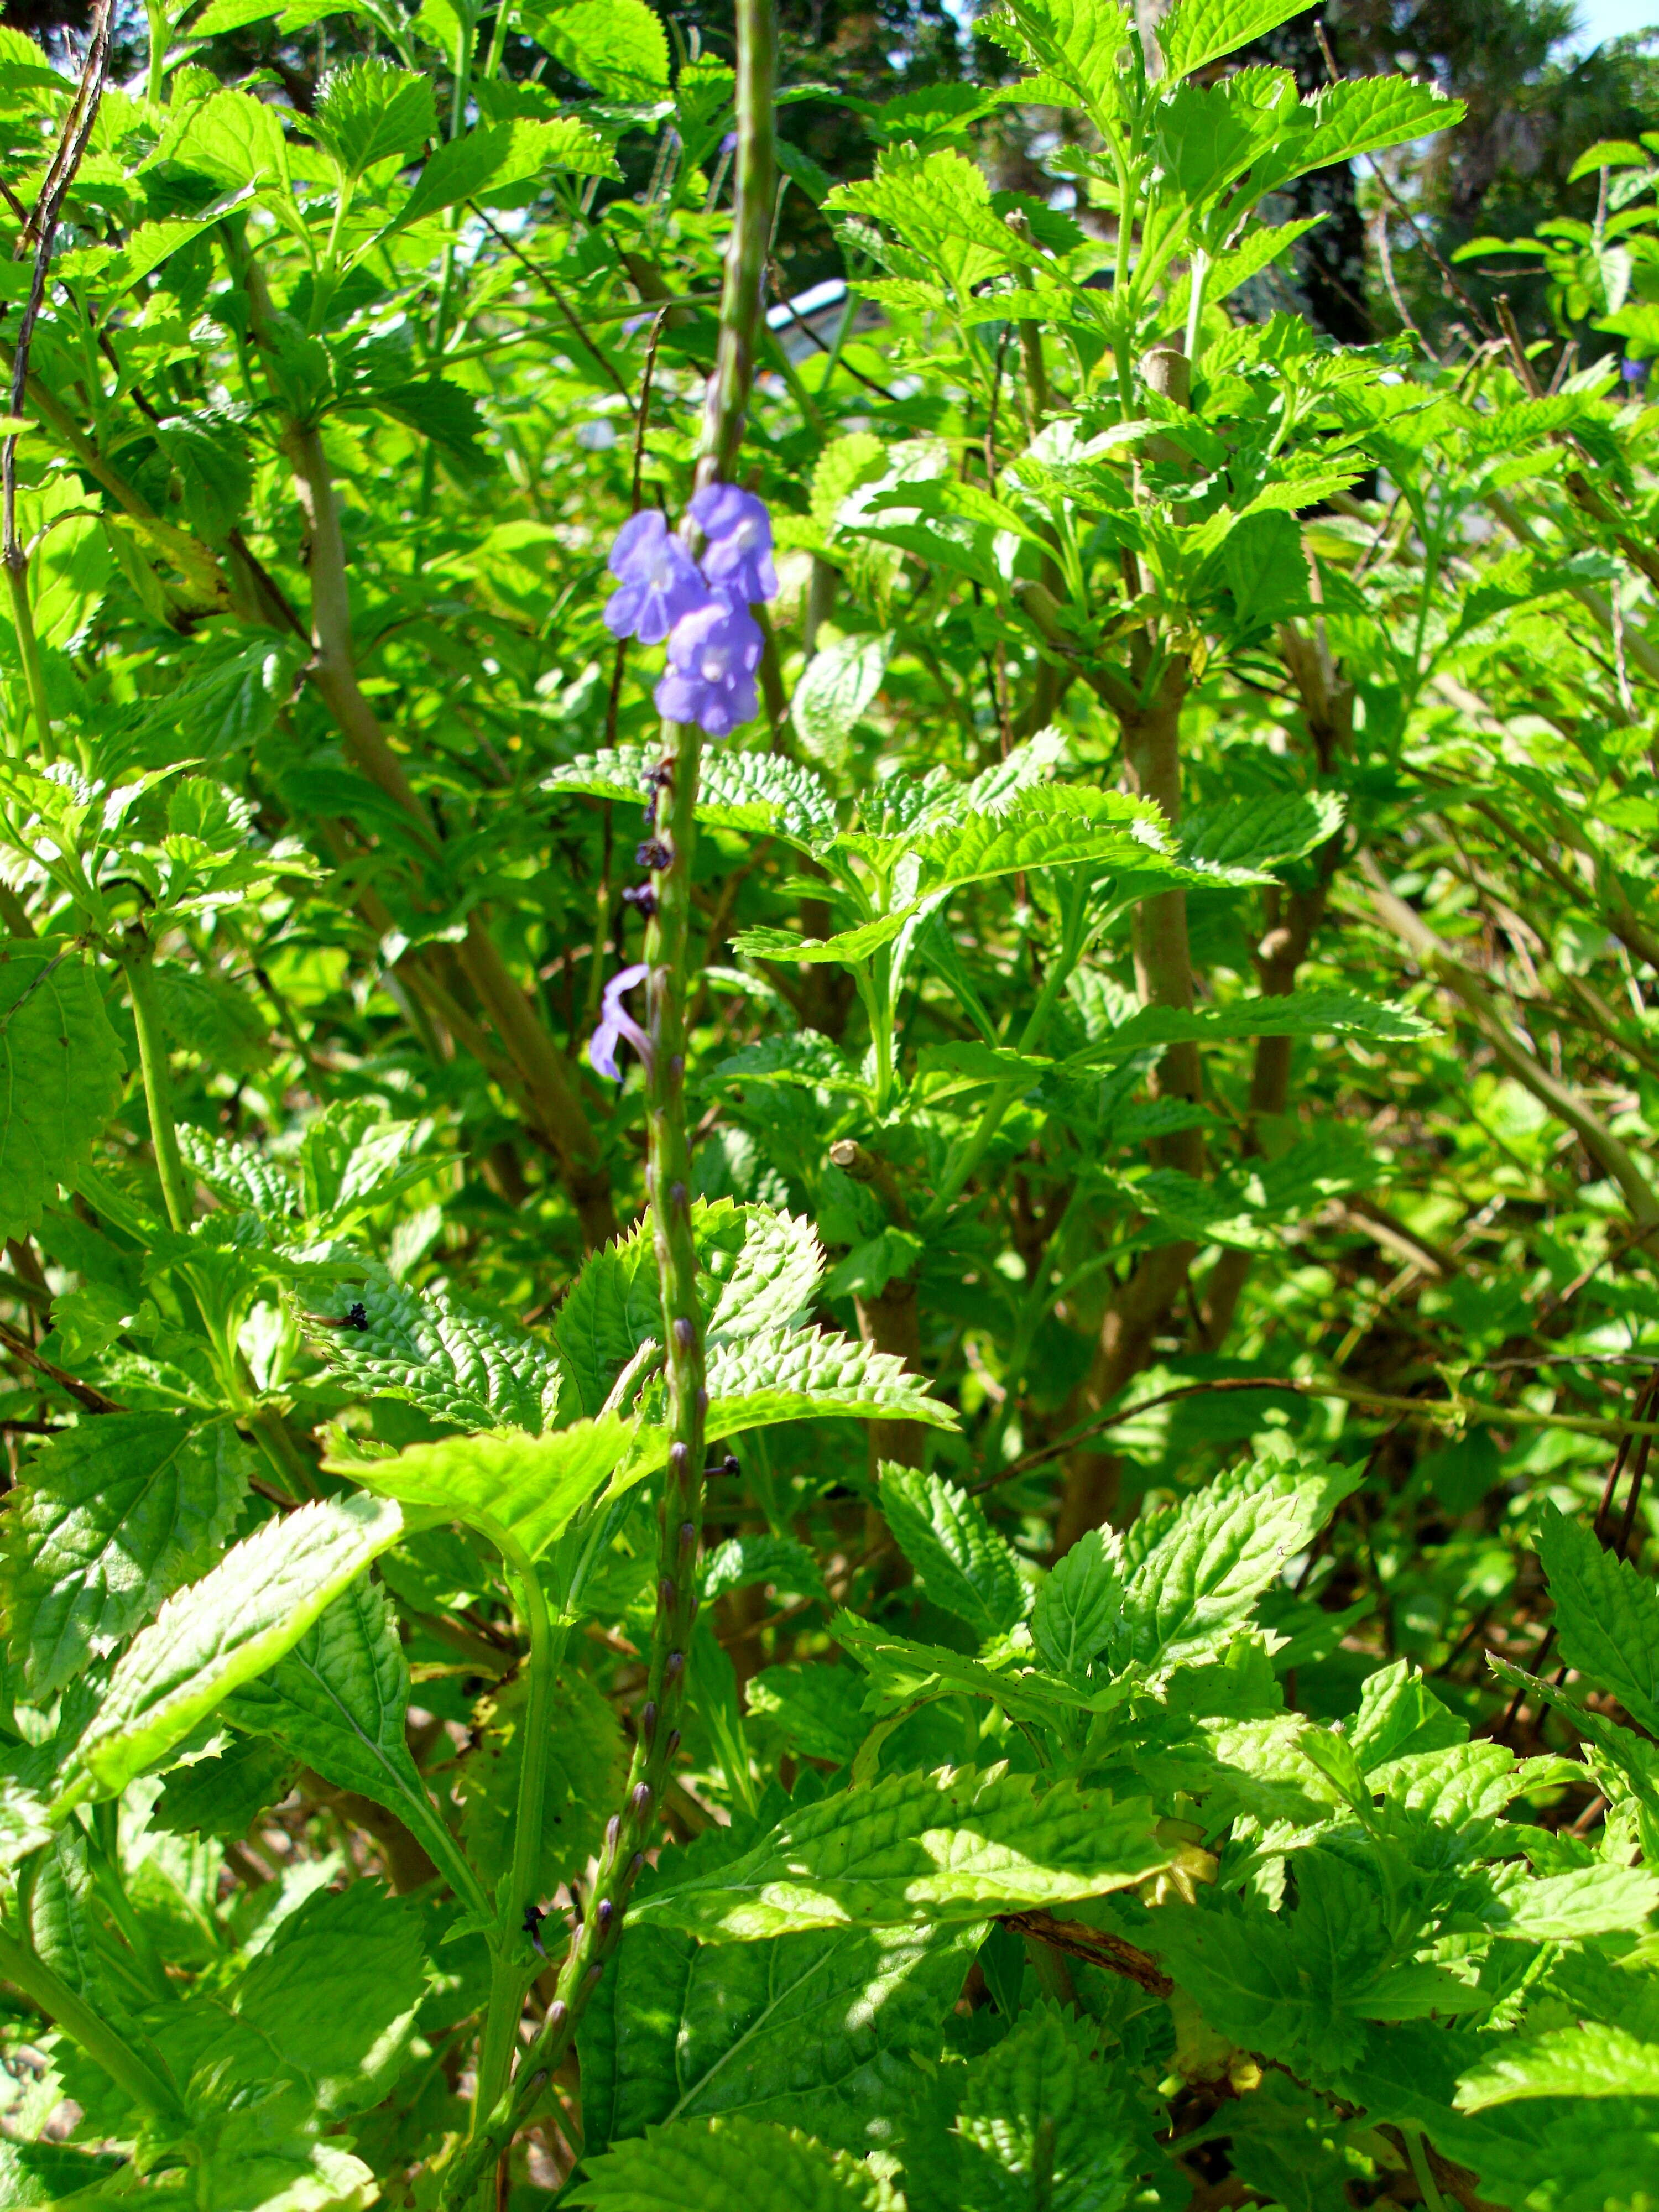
[{"x": 1143, "y": 1052}]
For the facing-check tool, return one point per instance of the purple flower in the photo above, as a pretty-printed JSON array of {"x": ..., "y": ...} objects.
[
  {"x": 615, "y": 1023},
  {"x": 713, "y": 655},
  {"x": 1634, "y": 372},
  {"x": 737, "y": 555},
  {"x": 660, "y": 580}
]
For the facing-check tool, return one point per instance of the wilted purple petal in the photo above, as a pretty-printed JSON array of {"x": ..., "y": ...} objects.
[{"x": 615, "y": 1022}]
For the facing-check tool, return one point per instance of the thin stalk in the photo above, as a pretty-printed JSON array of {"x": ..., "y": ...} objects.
[
  {"x": 668, "y": 1181},
  {"x": 502, "y": 24},
  {"x": 28, "y": 647},
  {"x": 107, "y": 1879},
  {"x": 958, "y": 1169},
  {"x": 1200, "y": 269},
  {"x": 155, "y": 14},
  {"x": 40, "y": 231},
  {"x": 1034, "y": 1309},
  {"x": 446, "y": 280},
  {"x": 158, "y": 1089},
  {"x": 1416, "y": 2150},
  {"x": 508, "y": 1977},
  {"x": 140, "y": 2073}
]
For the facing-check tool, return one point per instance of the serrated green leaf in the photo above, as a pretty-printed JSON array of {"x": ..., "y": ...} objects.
[
  {"x": 741, "y": 1562},
  {"x": 1076, "y": 47},
  {"x": 458, "y": 1362},
  {"x": 757, "y": 793},
  {"x": 587, "y": 1764},
  {"x": 1197, "y": 32},
  {"x": 1607, "y": 1615},
  {"x": 1298, "y": 1013},
  {"x": 949, "y": 1846},
  {"x": 337, "y": 1701},
  {"x": 705, "y": 2166},
  {"x": 497, "y": 157},
  {"x": 1293, "y": 1984},
  {"x": 809, "y": 1062},
  {"x": 109, "y": 1520},
  {"x": 904, "y": 1671},
  {"x": 352, "y": 1157},
  {"x": 836, "y": 687},
  {"x": 33, "y": 2175},
  {"x": 756, "y": 1269},
  {"x": 1589, "y": 2059},
  {"x": 796, "y": 1375},
  {"x": 938, "y": 205},
  {"x": 372, "y": 110},
  {"x": 808, "y": 2030},
  {"x": 1263, "y": 833},
  {"x": 1597, "y": 1901},
  {"x": 848, "y": 947},
  {"x": 1077, "y": 1606},
  {"x": 60, "y": 1073},
  {"x": 1037, "y": 2117},
  {"x": 230, "y": 138},
  {"x": 820, "y": 1708},
  {"x": 246, "y": 1178},
  {"x": 519, "y": 1491},
  {"x": 1399, "y": 1714},
  {"x": 330, "y": 2001},
  {"x": 760, "y": 1266},
  {"x": 223, "y": 1796},
  {"x": 618, "y": 47},
  {"x": 1196, "y": 1571},
  {"x": 220, "y": 1632},
  {"x": 1047, "y": 825},
  {"x": 961, "y": 1562},
  {"x": 1362, "y": 115}
]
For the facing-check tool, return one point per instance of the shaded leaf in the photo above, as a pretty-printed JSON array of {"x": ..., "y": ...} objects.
[{"x": 220, "y": 1632}]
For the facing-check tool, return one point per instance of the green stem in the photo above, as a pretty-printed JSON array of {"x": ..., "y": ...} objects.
[
  {"x": 1034, "y": 1309},
  {"x": 967, "y": 1154},
  {"x": 876, "y": 992},
  {"x": 508, "y": 1977},
  {"x": 28, "y": 647},
  {"x": 158, "y": 1089},
  {"x": 287, "y": 1462},
  {"x": 141, "y": 2074},
  {"x": 1200, "y": 269},
  {"x": 668, "y": 1182},
  {"x": 447, "y": 279},
  {"x": 1416, "y": 2150},
  {"x": 102, "y": 1860},
  {"x": 502, "y": 24},
  {"x": 155, "y": 14}
]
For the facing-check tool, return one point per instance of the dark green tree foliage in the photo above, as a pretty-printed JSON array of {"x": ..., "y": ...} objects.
[{"x": 1014, "y": 1568}]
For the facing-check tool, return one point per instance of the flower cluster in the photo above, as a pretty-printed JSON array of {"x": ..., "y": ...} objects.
[{"x": 701, "y": 607}]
